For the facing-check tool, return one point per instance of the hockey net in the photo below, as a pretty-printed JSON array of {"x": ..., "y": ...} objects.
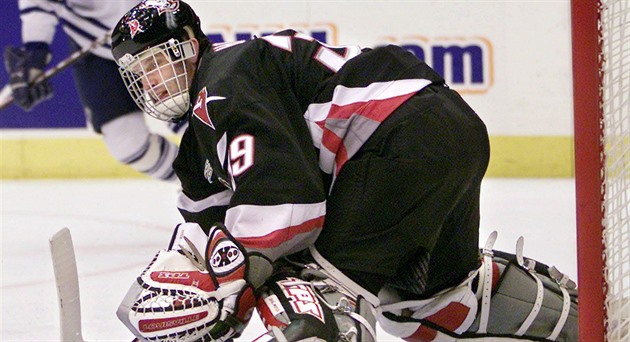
[{"x": 601, "y": 62}]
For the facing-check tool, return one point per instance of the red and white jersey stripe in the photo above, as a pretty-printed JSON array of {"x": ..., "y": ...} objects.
[{"x": 341, "y": 126}]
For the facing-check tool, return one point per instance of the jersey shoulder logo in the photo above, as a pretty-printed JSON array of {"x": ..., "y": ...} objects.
[{"x": 200, "y": 110}]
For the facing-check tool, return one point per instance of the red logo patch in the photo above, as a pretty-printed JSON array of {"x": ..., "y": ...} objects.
[
  {"x": 199, "y": 280},
  {"x": 200, "y": 110},
  {"x": 134, "y": 27}
]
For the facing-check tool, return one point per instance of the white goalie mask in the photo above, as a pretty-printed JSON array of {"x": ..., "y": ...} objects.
[{"x": 158, "y": 78}]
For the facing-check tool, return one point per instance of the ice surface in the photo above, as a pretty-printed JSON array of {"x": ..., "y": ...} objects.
[{"x": 118, "y": 226}]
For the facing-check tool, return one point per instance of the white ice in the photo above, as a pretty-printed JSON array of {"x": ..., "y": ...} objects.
[{"x": 118, "y": 226}]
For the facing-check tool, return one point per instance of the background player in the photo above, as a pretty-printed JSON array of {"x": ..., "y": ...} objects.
[{"x": 108, "y": 108}]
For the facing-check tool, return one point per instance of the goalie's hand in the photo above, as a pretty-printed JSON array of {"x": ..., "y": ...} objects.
[
  {"x": 194, "y": 291},
  {"x": 24, "y": 65}
]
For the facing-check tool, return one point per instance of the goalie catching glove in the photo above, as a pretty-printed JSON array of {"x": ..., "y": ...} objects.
[{"x": 193, "y": 291}]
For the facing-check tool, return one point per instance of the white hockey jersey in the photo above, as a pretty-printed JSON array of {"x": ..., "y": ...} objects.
[{"x": 82, "y": 20}]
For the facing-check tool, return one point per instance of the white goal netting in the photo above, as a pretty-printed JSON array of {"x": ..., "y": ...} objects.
[{"x": 615, "y": 34}]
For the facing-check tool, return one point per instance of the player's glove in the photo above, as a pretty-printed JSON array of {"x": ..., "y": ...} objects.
[
  {"x": 194, "y": 291},
  {"x": 24, "y": 65}
]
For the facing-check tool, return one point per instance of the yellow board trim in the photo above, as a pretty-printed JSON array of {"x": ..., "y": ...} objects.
[
  {"x": 531, "y": 157},
  {"x": 56, "y": 158},
  {"x": 52, "y": 158}
]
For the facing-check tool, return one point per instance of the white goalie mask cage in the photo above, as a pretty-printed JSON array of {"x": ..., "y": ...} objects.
[{"x": 158, "y": 78}]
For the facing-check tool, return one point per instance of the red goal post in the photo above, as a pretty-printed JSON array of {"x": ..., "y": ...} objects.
[{"x": 601, "y": 91}]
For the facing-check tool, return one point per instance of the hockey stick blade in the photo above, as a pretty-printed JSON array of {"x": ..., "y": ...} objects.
[
  {"x": 6, "y": 95},
  {"x": 67, "y": 282}
]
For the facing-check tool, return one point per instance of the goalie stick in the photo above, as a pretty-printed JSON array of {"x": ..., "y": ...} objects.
[
  {"x": 67, "y": 282},
  {"x": 6, "y": 95}
]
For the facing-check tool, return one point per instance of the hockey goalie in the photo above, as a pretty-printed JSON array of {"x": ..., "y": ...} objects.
[{"x": 329, "y": 188}]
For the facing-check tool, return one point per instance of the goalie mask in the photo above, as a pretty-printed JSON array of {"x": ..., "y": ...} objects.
[{"x": 154, "y": 46}]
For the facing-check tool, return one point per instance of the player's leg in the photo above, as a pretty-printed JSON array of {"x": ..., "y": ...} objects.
[
  {"x": 129, "y": 141},
  {"x": 457, "y": 243},
  {"x": 111, "y": 112},
  {"x": 437, "y": 295},
  {"x": 391, "y": 200},
  {"x": 508, "y": 298}
]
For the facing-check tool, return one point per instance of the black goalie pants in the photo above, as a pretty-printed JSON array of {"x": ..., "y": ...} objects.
[{"x": 407, "y": 204}]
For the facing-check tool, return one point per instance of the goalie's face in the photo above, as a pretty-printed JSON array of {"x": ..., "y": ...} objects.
[{"x": 159, "y": 78}]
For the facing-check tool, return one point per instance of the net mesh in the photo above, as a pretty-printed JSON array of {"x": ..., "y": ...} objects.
[{"x": 615, "y": 34}]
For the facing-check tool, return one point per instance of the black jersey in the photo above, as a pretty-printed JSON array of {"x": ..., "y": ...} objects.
[{"x": 274, "y": 120}]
